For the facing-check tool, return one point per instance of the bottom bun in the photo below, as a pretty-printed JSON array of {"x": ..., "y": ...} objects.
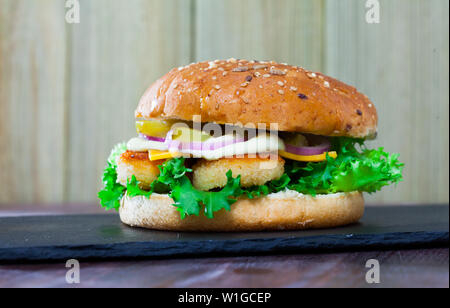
[{"x": 280, "y": 211}]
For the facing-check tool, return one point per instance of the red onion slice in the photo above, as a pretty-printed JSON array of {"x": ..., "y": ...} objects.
[
  {"x": 175, "y": 145},
  {"x": 150, "y": 138},
  {"x": 209, "y": 145},
  {"x": 323, "y": 145}
]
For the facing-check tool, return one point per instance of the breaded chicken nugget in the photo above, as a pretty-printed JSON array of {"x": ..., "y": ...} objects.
[
  {"x": 139, "y": 165},
  {"x": 254, "y": 171}
]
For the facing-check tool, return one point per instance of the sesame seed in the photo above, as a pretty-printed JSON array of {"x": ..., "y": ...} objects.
[
  {"x": 216, "y": 61},
  {"x": 257, "y": 74},
  {"x": 180, "y": 68},
  {"x": 293, "y": 88},
  {"x": 370, "y": 105},
  {"x": 281, "y": 91},
  {"x": 326, "y": 84},
  {"x": 259, "y": 67},
  {"x": 358, "y": 112},
  {"x": 275, "y": 71},
  {"x": 217, "y": 87},
  {"x": 212, "y": 64},
  {"x": 260, "y": 86},
  {"x": 244, "y": 84},
  {"x": 302, "y": 96},
  {"x": 248, "y": 78},
  {"x": 280, "y": 83},
  {"x": 240, "y": 69},
  {"x": 266, "y": 75},
  {"x": 284, "y": 63},
  {"x": 224, "y": 73},
  {"x": 221, "y": 69},
  {"x": 348, "y": 127},
  {"x": 231, "y": 60},
  {"x": 214, "y": 77},
  {"x": 311, "y": 75},
  {"x": 176, "y": 86}
]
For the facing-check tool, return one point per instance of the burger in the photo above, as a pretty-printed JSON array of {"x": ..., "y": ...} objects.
[{"x": 237, "y": 145}]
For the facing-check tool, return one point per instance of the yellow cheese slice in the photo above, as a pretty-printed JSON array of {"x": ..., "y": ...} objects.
[
  {"x": 158, "y": 155},
  {"x": 310, "y": 158}
]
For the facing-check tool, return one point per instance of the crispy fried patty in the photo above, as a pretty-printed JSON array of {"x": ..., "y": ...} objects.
[
  {"x": 253, "y": 171},
  {"x": 207, "y": 175},
  {"x": 139, "y": 165}
]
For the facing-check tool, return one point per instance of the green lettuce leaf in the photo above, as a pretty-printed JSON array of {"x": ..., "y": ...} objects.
[
  {"x": 134, "y": 190},
  {"x": 118, "y": 150},
  {"x": 355, "y": 169},
  {"x": 256, "y": 191},
  {"x": 173, "y": 180},
  {"x": 189, "y": 200},
  {"x": 112, "y": 192}
]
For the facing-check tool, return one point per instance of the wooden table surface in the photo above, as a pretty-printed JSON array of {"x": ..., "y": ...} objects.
[{"x": 401, "y": 268}]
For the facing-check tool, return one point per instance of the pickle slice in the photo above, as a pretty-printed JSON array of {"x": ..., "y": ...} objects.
[
  {"x": 186, "y": 134},
  {"x": 297, "y": 140},
  {"x": 154, "y": 128}
]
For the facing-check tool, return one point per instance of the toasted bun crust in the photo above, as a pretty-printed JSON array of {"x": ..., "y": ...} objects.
[
  {"x": 282, "y": 211},
  {"x": 249, "y": 92}
]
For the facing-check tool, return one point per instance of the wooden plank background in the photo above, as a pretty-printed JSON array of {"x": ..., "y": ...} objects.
[
  {"x": 286, "y": 31},
  {"x": 32, "y": 101},
  {"x": 68, "y": 91},
  {"x": 118, "y": 49},
  {"x": 402, "y": 65}
]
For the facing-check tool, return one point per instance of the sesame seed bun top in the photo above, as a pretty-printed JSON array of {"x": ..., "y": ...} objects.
[{"x": 251, "y": 92}]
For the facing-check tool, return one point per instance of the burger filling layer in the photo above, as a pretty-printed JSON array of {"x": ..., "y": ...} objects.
[{"x": 206, "y": 174}]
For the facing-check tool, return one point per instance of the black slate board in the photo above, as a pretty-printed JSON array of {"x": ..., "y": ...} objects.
[{"x": 55, "y": 238}]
